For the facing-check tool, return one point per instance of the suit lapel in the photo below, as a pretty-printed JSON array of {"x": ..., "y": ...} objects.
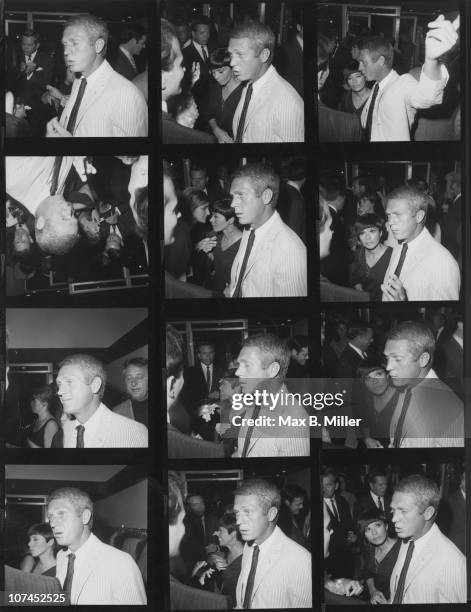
[
  {"x": 426, "y": 554},
  {"x": 264, "y": 247},
  {"x": 274, "y": 553},
  {"x": 87, "y": 564},
  {"x": 93, "y": 92}
]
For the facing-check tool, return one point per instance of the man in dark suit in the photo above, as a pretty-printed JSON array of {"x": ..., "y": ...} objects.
[
  {"x": 200, "y": 526},
  {"x": 377, "y": 497},
  {"x": 181, "y": 445},
  {"x": 360, "y": 336},
  {"x": 172, "y": 71},
  {"x": 291, "y": 204},
  {"x": 132, "y": 40},
  {"x": 201, "y": 385},
  {"x": 292, "y": 59},
  {"x": 339, "y": 563},
  {"x": 183, "y": 597},
  {"x": 451, "y": 222},
  {"x": 448, "y": 359},
  {"x": 335, "y": 266},
  {"x": 199, "y": 178},
  {"x": 197, "y": 53},
  {"x": 35, "y": 72},
  {"x": 452, "y": 515}
]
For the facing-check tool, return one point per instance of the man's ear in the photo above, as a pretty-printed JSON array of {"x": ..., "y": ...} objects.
[
  {"x": 272, "y": 514},
  {"x": 273, "y": 369},
  {"x": 95, "y": 385},
  {"x": 420, "y": 215},
  {"x": 265, "y": 55},
  {"x": 429, "y": 512},
  {"x": 424, "y": 360},
  {"x": 86, "y": 516},
  {"x": 267, "y": 196},
  {"x": 99, "y": 45}
]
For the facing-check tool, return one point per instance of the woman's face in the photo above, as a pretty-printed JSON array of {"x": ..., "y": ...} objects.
[
  {"x": 370, "y": 237},
  {"x": 38, "y": 544},
  {"x": 356, "y": 81},
  {"x": 219, "y": 222},
  {"x": 223, "y": 536},
  {"x": 200, "y": 214},
  {"x": 325, "y": 237},
  {"x": 376, "y": 533},
  {"x": 222, "y": 75},
  {"x": 377, "y": 381},
  {"x": 36, "y": 405}
]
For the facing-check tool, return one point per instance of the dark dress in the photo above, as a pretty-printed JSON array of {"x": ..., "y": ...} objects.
[
  {"x": 346, "y": 104},
  {"x": 222, "y": 265},
  {"x": 370, "y": 278},
  {"x": 222, "y": 110},
  {"x": 49, "y": 572},
  {"x": 230, "y": 577},
  {"x": 38, "y": 436},
  {"x": 381, "y": 572}
]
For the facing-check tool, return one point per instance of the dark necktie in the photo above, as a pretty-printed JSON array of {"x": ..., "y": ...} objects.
[
  {"x": 80, "y": 431},
  {"x": 70, "y": 128},
  {"x": 241, "y": 125},
  {"x": 251, "y": 579},
  {"x": 238, "y": 290},
  {"x": 334, "y": 509},
  {"x": 402, "y": 257},
  {"x": 380, "y": 504},
  {"x": 68, "y": 578},
  {"x": 208, "y": 378},
  {"x": 400, "y": 423},
  {"x": 369, "y": 118},
  {"x": 250, "y": 429},
  {"x": 399, "y": 594},
  {"x": 205, "y": 54}
]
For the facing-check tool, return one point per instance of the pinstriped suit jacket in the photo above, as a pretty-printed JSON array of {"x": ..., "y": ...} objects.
[
  {"x": 276, "y": 266},
  {"x": 283, "y": 578},
  {"x": 437, "y": 575},
  {"x": 111, "y": 107},
  {"x": 103, "y": 575}
]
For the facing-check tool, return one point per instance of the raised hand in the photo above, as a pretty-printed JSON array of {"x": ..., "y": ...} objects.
[{"x": 441, "y": 37}]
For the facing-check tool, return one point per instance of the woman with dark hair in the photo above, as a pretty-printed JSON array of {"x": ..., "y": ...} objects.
[
  {"x": 229, "y": 559},
  {"x": 223, "y": 97},
  {"x": 45, "y": 426},
  {"x": 195, "y": 214},
  {"x": 372, "y": 258},
  {"x": 379, "y": 555},
  {"x": 357, "y": 93},
  {"x": 228, "y": 234},
  {"x": 42, "y": 549}
]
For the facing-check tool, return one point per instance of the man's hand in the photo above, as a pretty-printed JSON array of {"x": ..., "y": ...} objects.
[
  {"x": 378, "y": 598},
  {"x": 55, "y": 129},
  {"x": 393, "y": 290},
  {"x": 344, "y": 586},
  {"x": 441, "y": 37},
  {"x": 372, "y": 443},
  {"x": 30, "y": 68},
  {"x": 195, "y": 72},
  {"x": 54, "y": 92}
]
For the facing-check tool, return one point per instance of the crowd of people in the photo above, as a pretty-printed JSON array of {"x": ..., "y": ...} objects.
[
  {"x": 400, "y": 375},
  {"x": 70, "y": 413},
  {"x": 199, "y": 398},
  {"x": 91, "y": 88},
  {"x": 79, "y": 218},
  {"x": 370, "y": 89},
  {"x": 231, "y": 83},
  {"x": 65, "y": 557},
  {"x": 239, "y": 235},
  {"x": 382, "y": 244},
  {"x": 391, "y": 540},
  {"x": 247, "y": 552}
]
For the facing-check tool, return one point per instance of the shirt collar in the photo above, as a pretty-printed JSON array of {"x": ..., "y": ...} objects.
[
  {"x": 416, "y": 243},
  {"x": 32, "y": 55},
  {"x": 80, "y": 551},
  {"x": 268, "y": 543},
  {"x": 260, "y": 82},
  {"x": 458, "y": 339},
  {"x": 127, "y": 54},
  {"x": 357, "y": 350},
  {"x": 421, "y": 542},
  {"x": 265, "y": 228},
  {"x": 382, "y": 84},
  {"x": 95, "y": 75}
]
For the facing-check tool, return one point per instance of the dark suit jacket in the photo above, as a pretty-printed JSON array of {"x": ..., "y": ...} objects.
[
  {"x": 365, "y": 503},
  {"x": 200, "y": 88},
  {"x": 124, "y": 66},
  {"x": 340, "y": 560},
  {"x": 291, "y": 207},
  {"x": 292, "y": 64},
  {"x": 174, "y": 133},
  {"x": 452, "y": 224},
  {"x": 194, "y": 392},
  {"x": 335, "y": 126},
  {"x": 452, "y": 519},
  {"x": 43, "y": 74},
  {"x": 181, "y": 446},
  {"x": 175, "y": 289},
  {"x": 448, "y": 362},
  {"x": 192, "y": 547},
  {"x": 348, "y": 363},
  {"x": 183, "y": 597},
  {"x": 335, "y": 266}
]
